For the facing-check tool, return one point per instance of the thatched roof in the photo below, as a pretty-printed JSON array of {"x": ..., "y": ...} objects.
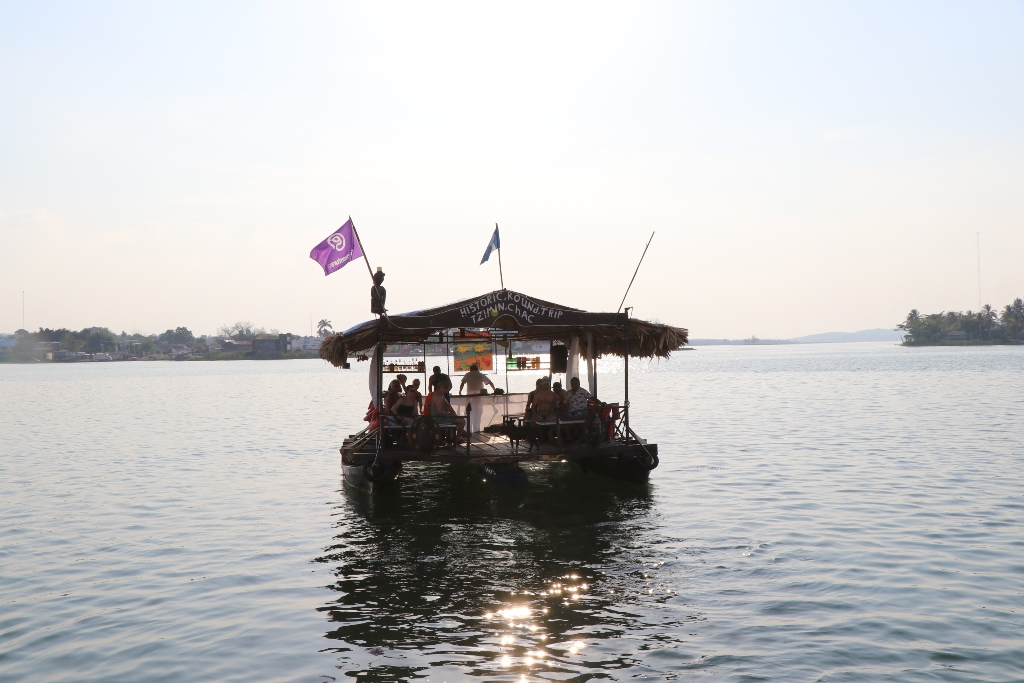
[{"x": 532, "y": 319}]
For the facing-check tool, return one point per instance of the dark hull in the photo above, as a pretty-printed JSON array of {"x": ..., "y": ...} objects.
[
  {"x": 498, "y": 460},
  {"x": 355, "y": 476},
  {"x": 626, "y": 469}
]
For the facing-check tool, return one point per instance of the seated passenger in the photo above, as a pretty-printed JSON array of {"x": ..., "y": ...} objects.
[
  {"x": 544, "y": 403},
  {"x": 407, "y": 406},
  {"x": 443, "y": 413},
  {"x": 576, "y": 398},
  {"x": 528, "y": 412},
  {"x": 405, "y": 410},
  {"x": 440, "y": 380},
  {"x": 476, "y": 380},
  {"x": 415, "y": 387},
  {"x": 560, "y": 397},
  {"x": 391, "y": 396}
]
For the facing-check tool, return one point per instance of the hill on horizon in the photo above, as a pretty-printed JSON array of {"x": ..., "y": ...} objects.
[
  {"x": 878, "y": 334},
  {"x": 875, "y": 335}
]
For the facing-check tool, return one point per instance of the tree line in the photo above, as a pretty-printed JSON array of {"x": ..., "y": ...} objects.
[
  {"x": 985, "y": 326},
  {"x": 103, "y": 340}
]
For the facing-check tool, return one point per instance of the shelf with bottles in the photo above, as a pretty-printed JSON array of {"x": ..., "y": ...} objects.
[
  {"x": 405, "y": 367},
  {"x": 516, "y": 363}
]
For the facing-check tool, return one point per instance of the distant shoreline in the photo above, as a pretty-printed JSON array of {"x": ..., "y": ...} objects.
[
  {"x": 873, "y": 335},
  {"x": 966, "y": 342},
  {"x": 984, "y": 327},
  {"x": 208, "y": 357}
]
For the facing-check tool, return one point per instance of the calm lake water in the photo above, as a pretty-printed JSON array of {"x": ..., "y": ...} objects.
[{"x": 821, "y": 513}]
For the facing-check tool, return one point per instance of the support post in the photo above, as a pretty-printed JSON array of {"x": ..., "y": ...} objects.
[
  {"x": 380, "y": 387},
  {"x": 626, "y": 416},
  {"x": 591, "y": 364}
]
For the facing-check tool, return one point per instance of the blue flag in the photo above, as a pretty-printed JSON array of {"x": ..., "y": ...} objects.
[{"x": 495, "y": 243}]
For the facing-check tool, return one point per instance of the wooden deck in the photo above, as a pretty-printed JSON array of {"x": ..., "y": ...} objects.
[{"x": 492, "y": 449}]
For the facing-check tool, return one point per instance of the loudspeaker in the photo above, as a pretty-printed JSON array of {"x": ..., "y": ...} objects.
[{"x": 559, "y": 359}]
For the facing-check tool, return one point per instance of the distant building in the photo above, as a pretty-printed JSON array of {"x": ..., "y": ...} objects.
[
  {"x": 7, "y": 345},
  {"x": 179, "y": 350},
  {"x": 306, "y": 343},
  {"x": 272, "y": 347},
  {"x": 129, "y": 348},
  {"x": 47, "y": 349},
  {"x": 957, "y": 336},
  {"x": 71, "y": 356}
]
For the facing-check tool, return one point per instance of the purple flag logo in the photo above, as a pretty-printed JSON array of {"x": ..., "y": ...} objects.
[{"x": 338, "y": 250}]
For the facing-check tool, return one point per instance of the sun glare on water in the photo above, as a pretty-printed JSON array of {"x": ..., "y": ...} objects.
[{"x": 523, "y": 640}]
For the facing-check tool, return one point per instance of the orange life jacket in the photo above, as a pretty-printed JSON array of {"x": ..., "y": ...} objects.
[{"x": 426, "y": 403}]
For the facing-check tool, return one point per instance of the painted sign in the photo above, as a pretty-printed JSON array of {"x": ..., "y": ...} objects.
[
  {"x": 469, "y": 351},
  {"x": 506, "y": 302}
]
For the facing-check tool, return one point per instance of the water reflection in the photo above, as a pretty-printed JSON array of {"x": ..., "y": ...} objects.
[{"x": 446, "y": 577}]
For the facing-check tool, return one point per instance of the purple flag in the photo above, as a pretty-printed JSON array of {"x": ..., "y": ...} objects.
[{"x": 338, "y": 250}]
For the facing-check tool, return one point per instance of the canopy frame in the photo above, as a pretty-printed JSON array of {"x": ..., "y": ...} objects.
[{"x": 505, "y": 310}]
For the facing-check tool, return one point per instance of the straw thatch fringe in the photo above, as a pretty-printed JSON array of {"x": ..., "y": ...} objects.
[
  {"x": 333, "y": 350},
  {"x": 646, "y": 339}
]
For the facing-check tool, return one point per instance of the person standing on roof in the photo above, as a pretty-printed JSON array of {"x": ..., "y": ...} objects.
[
  {"x": 378, "y": 295},
  {"x": 476, "y": 380}
]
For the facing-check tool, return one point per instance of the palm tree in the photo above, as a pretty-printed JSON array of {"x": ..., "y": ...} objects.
[
  {"x": 987, "y": 316},
  {"x": 324, "y": 327},
  {"x": 911, "y": 323},
  {"x": 1012, "y": 318}
]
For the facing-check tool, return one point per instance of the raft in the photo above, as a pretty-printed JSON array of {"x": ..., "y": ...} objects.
[{"x": 501, "y": 437}]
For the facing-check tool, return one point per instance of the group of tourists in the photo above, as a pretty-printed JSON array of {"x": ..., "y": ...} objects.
[
  {"x": 403, "y": 402},
  {"x": 550, "y": 400}
]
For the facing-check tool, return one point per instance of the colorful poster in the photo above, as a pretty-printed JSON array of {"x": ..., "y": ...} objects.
[{"x": 469, "y": 352}]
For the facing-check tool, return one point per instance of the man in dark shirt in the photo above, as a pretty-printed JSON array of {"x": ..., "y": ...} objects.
[{"x": 440, "y": 382}]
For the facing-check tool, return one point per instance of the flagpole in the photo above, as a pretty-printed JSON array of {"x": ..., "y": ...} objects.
[
  {"x": 500, "y": 273},
  {"x": 356, "y": 233}
]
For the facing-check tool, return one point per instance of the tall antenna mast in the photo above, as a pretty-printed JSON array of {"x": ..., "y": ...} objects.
[
  {"x": 978, "y": 235},
  {"x": 635, "y": 272},
  {"x": 23, "y": 309}
]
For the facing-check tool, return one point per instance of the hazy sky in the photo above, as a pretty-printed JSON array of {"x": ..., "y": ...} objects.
[{"x": 808, "y": 166}]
